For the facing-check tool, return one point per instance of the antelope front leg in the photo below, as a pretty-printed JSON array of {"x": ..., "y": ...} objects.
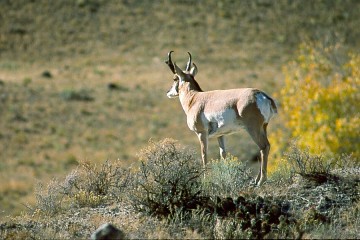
[
  {"x": 203, "y": 138},
  {"x": 221, "y": 141}
]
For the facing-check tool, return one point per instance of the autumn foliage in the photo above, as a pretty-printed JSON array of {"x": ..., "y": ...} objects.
[{"x": 320, "y": 102}]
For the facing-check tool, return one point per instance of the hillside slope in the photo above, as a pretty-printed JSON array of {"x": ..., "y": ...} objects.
[{"x": 40, "y": 30}]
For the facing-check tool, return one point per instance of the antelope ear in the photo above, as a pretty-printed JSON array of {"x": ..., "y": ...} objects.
[
  {"x": 194, "y": 70},
  {"x": 179, "y": 72}
]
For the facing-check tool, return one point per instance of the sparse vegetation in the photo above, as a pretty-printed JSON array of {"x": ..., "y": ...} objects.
[{"x": 167, "y": 190}]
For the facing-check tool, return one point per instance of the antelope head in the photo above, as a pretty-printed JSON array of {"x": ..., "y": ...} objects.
[{"x": 180, "y": 77}]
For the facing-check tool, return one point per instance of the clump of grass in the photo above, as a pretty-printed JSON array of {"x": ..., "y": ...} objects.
[
  {"x": 227, "y": 177},
  {"x": 168, "y": 179},
  {"x": 77, "y": 95},
  {"x": 191, "y": 224}
]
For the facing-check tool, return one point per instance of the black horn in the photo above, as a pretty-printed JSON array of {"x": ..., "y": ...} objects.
[
  {"x": 170, "y": 63},
  {"x": 188, "y": 65}
]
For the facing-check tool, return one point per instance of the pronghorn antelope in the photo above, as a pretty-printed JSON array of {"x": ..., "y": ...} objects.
[{"x": 221, "y": 112}]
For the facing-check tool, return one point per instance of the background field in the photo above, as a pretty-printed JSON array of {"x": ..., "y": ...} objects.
[{"x": 57, "y": 59}]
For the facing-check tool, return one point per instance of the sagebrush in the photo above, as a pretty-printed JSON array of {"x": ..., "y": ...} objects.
[{"x": 168, "y": 179}]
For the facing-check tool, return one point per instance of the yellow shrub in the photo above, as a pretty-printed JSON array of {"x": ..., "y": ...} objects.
[{"x": 320, "y": 102}]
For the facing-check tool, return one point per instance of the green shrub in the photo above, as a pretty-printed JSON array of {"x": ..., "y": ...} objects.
[
  {"x": 226, "y": 177},
  {"x": 168, "y": 179}
]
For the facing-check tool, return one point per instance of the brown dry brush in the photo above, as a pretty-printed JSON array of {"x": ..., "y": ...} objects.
[
  {"x": 168, "y": 179},
  {"x": 312, "y": 167}
]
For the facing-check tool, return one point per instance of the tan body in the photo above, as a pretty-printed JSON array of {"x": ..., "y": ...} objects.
[{"x": 222, "y": 112}]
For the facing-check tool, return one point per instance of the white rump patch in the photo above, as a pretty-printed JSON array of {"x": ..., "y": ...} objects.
[{"x": 264, "y": 104}]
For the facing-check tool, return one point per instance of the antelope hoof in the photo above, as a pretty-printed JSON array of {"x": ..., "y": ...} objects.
[
  {"x": 257, "y": 179},
  {"x": 261, "y": 181}
]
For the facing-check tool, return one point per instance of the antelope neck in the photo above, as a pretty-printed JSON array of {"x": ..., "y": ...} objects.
[{"x": 187, "y": 98}]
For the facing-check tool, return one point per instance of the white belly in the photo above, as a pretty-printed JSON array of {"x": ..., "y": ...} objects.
[{"x": 222, "y": 123}]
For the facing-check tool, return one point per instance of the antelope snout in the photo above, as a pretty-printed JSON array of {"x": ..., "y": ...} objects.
[{"x": 172, "y": 94}]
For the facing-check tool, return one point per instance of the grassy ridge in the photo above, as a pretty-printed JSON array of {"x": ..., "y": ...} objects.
[{"x": 49, "y": 122}]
